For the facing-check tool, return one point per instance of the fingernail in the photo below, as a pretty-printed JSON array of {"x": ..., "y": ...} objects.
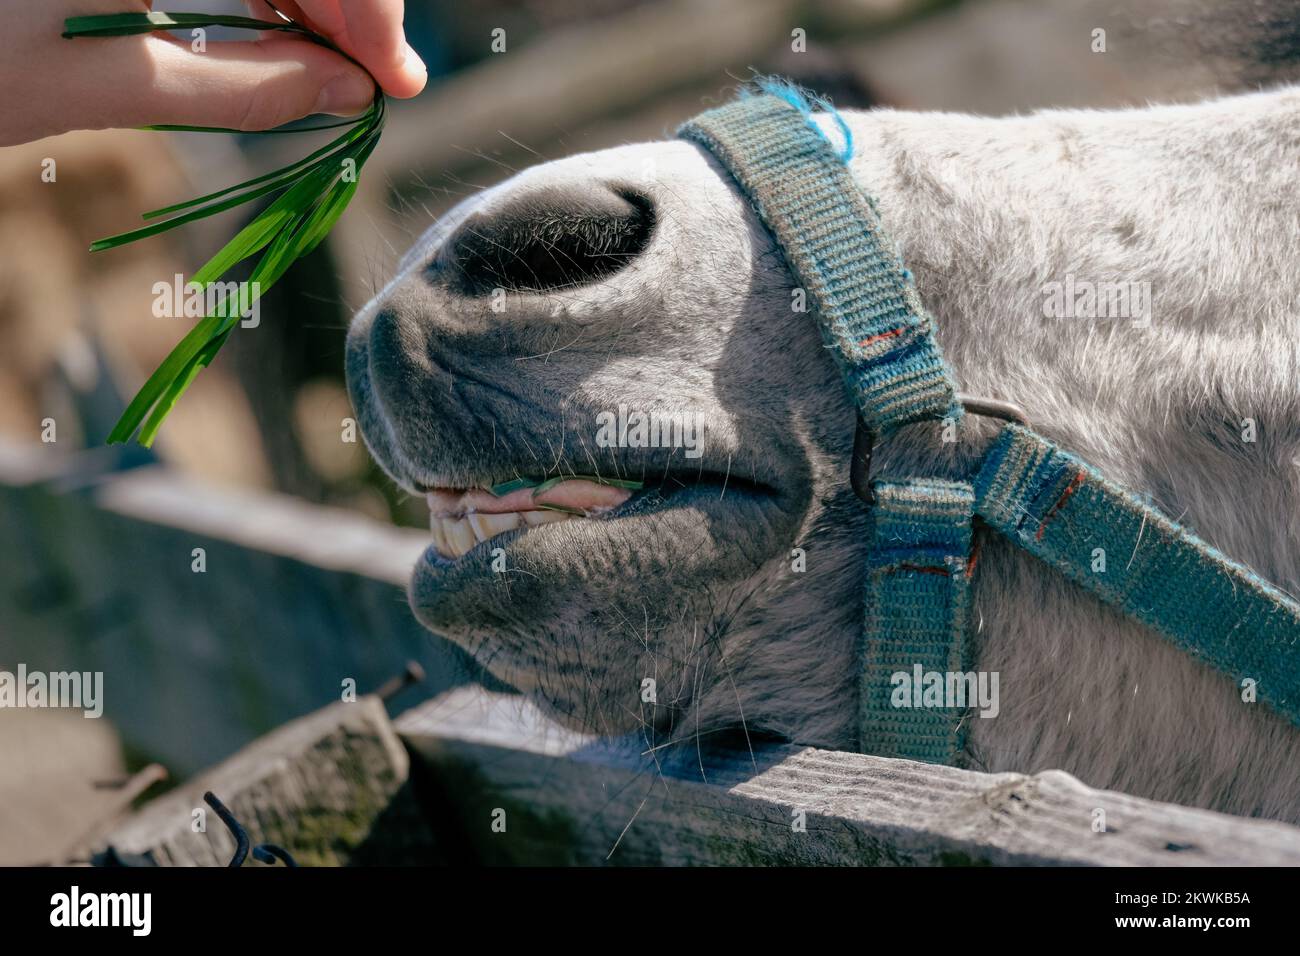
[{"x": 345, "y": 94}]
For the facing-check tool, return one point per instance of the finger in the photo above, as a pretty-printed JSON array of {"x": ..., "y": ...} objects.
[
  {"x": 243, "y": 85},
  {"x": 369, "y": 30},
  {"x": 373, "y": 33}
]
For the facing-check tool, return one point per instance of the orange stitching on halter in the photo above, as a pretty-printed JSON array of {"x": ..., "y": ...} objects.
[
  {"x": 876, "y": 338},
  {"x": 1070, "y": 489}
]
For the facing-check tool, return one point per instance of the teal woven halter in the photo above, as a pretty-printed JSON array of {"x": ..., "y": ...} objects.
[{"x": 1047, "y": 501}]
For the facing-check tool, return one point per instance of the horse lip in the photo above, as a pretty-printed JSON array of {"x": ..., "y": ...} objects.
[{"x": 575, "y": 494}]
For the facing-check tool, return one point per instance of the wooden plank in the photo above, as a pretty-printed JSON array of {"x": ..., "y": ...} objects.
[
  {"x": 96, "y": 574},
  {"x": 331, "y": 788},
  {"x": 568, "y": 799}
]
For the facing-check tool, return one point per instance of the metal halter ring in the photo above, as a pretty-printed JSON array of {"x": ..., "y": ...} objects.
[{"x": 864, "y": 439}]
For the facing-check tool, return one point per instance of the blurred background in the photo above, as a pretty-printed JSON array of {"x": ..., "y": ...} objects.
[{"x": 305, "y": 543}]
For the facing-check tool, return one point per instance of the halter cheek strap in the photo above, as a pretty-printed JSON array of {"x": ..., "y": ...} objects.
[
  {"x": 917, "y": 619},
  {"x": 917, "y": 589},
  {"x": 1040, "y": 497}
]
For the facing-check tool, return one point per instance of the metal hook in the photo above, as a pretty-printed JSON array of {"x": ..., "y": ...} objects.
[
  {"x": 864, "y": 439},
  {"x": 263, "y": 852},
  {"x": 237, "y": 831},
  {"x": 269, "y": 853}
]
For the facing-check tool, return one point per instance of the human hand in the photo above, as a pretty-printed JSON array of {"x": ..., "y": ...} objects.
[{"x": 50, "y": 85}]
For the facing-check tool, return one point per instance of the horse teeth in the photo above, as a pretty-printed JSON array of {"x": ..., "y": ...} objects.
[
  {"x": 439, "y": 535},
  {"x": 460, "y": 537},
  {"x": 453, "y": 537},
  {"x": 489, "y": 526}
]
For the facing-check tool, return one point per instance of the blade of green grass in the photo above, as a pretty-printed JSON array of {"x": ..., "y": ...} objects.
[
  {"x": 178, "y": 387},
  {"x": 548, "y": 484},
  {"x": 280, "y": 225},
  {"x": 334, "y": 206},
  {"x": 131, "y": 24},
  {"x": 506, "y": 487},
  {"x": 172, "y": 128},
  {"x": 284, "y": 251},
  {"x": 173, "y": 365},
  {"x": 277, "y": 259},
  {"x": 326, "y": 215},
  {"x": 122, "y": 239},
  {"x": 291, "y": 242},
  {"x": 262, "y": 229},
  {"x": 285, "y": 173},
  {"x": 626, "y": 483},
  {"x": 538, "y": 487},
  {"x": 562, "y": 508},
  {"x": 272, "y": 222}
]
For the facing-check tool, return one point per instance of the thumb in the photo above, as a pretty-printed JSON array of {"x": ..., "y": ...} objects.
[{"x": 251, "y": 85}]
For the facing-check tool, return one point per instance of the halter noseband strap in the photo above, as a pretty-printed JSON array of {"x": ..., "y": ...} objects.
[{"x": 832, "y": 238}]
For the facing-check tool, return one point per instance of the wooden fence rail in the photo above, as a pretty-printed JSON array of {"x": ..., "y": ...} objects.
[
  {"x": 485, "y": 779},
  {"x": 566, "y": 799}
]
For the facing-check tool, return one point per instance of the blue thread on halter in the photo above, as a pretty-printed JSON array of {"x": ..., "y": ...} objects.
[{"x": 804, "y": 102}]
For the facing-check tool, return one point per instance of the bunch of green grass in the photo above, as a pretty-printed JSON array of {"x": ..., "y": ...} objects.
[{"x": 312, "y": 194}]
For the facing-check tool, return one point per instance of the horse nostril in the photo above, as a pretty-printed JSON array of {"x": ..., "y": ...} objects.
[{"x": 548, "y": 239}]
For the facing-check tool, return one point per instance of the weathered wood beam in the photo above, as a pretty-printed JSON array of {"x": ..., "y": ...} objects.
[
  {"x": 574, "y": 800},
  {"x": 330, "y": 788}
]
